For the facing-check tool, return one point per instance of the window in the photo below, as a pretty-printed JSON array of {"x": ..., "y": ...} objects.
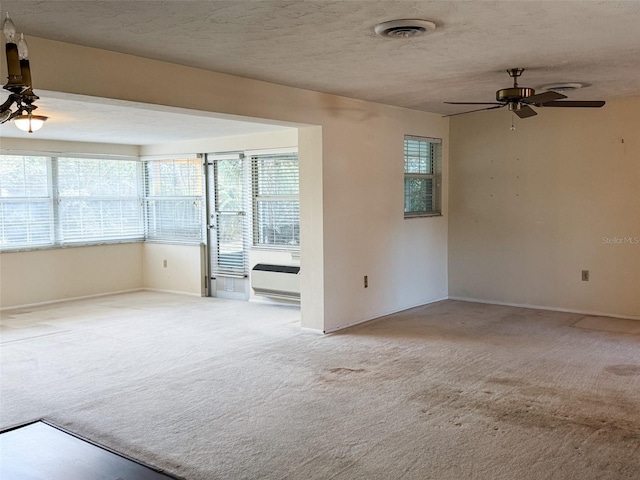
[
  {"x": 26, "y": 204},
  {"x": 98, "y": 200},
  {"x": 422, "y": 176},
  {"x": 276, "y": 204},
  {"x": 173, "y": 200},
  {"x": 48, "y": 201}
]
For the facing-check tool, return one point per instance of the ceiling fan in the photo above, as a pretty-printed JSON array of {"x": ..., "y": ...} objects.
[{"x": 521, "y": 99}]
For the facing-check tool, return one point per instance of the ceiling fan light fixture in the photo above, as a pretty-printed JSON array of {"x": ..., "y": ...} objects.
[
  {"x": 406, "y": 28},
  {"x": 30, "y": 123}
]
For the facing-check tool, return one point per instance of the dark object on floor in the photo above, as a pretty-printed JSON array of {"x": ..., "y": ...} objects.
[{"x": 41, "y": 451}]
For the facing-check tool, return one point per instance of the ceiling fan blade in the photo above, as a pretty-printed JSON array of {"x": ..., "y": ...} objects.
[
  {"x": 544, "y": 97},
  {"x": 525, "y": 112},
  {"x": 474, "y": 103},
  {"x": 471, "y": 111},
  {"x": 576, "y": 103}
]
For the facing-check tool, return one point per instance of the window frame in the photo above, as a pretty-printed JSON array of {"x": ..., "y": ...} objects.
[
  {"x": 197, "y": 200},
  {"x": 61, "y": 198},
  {"x": 29, "y": 199},
  {"x": 435, "y": 175},
  {"x": 257, "y": 198}
]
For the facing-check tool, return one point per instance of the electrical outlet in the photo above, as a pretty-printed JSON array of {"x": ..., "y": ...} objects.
[
  {"x": 366, "y": 281},
  {"x": 164, "y": 263},
  {"x": 585, "y": 275}
]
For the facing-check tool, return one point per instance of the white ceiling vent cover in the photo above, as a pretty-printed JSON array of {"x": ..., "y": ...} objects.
[
  {"x": 561, "y": 87},
  {"x": 404, "y": 28}
]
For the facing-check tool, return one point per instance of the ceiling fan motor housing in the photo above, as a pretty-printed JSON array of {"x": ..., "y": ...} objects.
[{"x": 514, "y": 94}]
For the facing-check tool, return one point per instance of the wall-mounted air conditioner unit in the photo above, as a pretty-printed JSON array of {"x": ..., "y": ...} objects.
[{"x": 279, "y": 281}]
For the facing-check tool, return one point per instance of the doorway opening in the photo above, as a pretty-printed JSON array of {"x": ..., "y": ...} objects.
[{"x": 252, "y": 220}]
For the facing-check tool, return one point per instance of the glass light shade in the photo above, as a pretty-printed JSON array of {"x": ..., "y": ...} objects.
[
  {"x": 9, "y": 29},
  {"x": 23, "y": 48},
  {"x": 30, "y": 123}
]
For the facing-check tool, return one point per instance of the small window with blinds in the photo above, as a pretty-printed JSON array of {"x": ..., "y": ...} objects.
[
  {"x": 276, "y": 204},
  {"x": 174, "y": 200},
  {"x": 422, "y": 176},
  {"x": 98, "y": 200},
  {"x": 26, "y": 202}
]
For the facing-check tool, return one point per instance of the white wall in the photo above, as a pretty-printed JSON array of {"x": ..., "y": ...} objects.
[
  {"x": 17, "y": 145},
  {"x": 173, "y": 268},
  {"x": 312, "y": 262},
  {"x": 258, "y": 141},
  {"x": 353, "y": 209},
  {"x": 59, "y": 273},
  {"x": 531, "y": 209},
  {"x": 365, "y": 232}
]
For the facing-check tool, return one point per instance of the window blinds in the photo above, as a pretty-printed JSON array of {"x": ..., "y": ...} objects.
[
  {"x": 276, "y": 200},
  {"x": 229, "y": 214},
  {"x": 421, "y": 169},
  {"x": 173, "y": 201},
  {"x": 26, "y": 203},
  {"x": 98, "y": 200}
]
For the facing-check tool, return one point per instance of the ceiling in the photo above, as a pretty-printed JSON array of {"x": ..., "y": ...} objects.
[
  {"x": 89, "y": 119},
  {"x": 330, "y": 46}
]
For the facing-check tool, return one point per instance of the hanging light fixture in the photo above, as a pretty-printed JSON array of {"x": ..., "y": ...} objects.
[
  {"x": 19, "y": 83},
  {"x": 29, "y": 123}
]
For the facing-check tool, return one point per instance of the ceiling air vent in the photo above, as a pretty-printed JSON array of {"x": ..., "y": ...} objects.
[
  {"x": 404, "y": 28},
  {"x": 561, "y": 87}
]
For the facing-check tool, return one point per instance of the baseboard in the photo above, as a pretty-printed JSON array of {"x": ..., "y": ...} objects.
[
  {"x": 175, "y": 292},
  {"x": 377, "y": 317},
  {"x": 314, "y": 331},
  {"x": 540, "y": 307},
  {"x": 266, "y": 301},
  {"x": 69, "y": 299}
]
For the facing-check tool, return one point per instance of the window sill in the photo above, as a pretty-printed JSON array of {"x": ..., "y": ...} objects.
[
  {"x": 423, "y": 215},
  {"x": 70, "y": 245},
  {"x": 276, "y": 248}
]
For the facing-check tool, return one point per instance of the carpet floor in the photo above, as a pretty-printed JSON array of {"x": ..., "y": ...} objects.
[{"x": 218, "y": 389}]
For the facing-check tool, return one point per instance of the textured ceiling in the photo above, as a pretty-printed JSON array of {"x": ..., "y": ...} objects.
[{"x": 330, "y": 46}]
